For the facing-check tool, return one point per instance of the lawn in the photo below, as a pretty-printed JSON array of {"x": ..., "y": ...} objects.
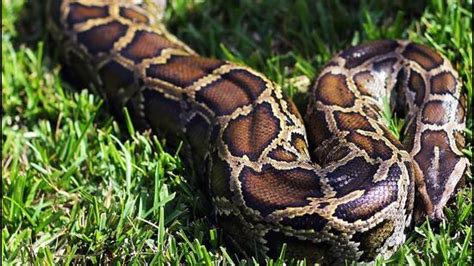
[{"x": 79, "y": 188}]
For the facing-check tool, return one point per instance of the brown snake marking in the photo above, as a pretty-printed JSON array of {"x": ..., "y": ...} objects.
[{"x": 349, "y": 196}]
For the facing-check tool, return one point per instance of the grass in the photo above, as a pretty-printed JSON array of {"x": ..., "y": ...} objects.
[{"x": 78, "y": 188}]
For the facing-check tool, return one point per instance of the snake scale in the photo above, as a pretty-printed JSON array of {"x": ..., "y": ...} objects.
[{"x": 334, "y": 185}]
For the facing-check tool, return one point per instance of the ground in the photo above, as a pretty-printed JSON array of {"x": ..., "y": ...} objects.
[{"x": 79, "y": 188}]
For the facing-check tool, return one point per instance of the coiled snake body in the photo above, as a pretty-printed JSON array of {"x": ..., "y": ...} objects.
[{"x": 349, "y": 196}]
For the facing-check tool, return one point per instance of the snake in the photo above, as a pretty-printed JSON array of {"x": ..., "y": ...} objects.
[{"x": 333, "y": 184}]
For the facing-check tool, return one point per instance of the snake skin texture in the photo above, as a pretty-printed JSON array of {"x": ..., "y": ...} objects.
[{"x": 335, "y": 185}]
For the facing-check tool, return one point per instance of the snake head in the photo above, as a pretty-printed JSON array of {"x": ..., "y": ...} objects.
[{"x": 439, "y": 172}]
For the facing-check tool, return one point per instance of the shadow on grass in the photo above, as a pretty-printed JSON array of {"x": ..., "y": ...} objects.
[{"x": 309, "y": 28}]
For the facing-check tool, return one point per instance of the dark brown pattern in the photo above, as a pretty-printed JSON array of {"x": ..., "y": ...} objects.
[{"x": 350, "y": 198}]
